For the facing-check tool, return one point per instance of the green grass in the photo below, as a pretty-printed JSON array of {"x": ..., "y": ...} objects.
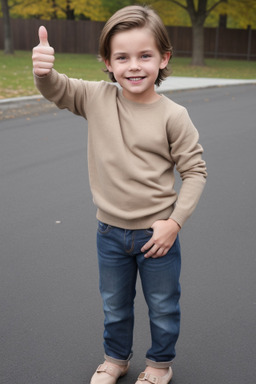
[
  {"x": 16, "y": 71},
  {"x": 16, "y": 77},
  {"x": 215, "y": 68}
]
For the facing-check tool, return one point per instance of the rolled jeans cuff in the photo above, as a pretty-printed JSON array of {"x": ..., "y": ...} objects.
[
  {"x": 158, "y": 364},
  {"x": 117, "y": 361}
]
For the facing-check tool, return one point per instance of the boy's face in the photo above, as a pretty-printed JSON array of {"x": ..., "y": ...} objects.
[{"x": 135, "y": 62}]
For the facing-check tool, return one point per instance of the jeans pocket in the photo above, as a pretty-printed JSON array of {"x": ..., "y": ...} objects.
[
  {"x": 149, "y": 231},
  {"x": 103, "y": 228}
]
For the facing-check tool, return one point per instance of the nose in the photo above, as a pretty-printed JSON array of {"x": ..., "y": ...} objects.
[{"x": 134, "y": 65}]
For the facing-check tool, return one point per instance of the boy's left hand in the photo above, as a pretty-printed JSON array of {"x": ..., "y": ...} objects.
[{"x": 164, "y": 235}]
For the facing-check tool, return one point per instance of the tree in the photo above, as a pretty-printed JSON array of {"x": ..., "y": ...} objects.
[
  {"x": 44, "y": 9},
  {"x": 92, "y": 9},
  {"x": 8, "y": 42},
  {"x": 198, "y": 14},
  {"x": 113, "y": 5},
  {"x": 59, "y": 9},
  {"x": 238, "y": 14}
]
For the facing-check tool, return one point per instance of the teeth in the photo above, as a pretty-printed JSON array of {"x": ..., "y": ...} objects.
[{"x": 135, "y": 78}]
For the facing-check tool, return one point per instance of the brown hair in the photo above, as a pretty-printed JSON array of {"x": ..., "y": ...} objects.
[{"x": 135, "y": 16}]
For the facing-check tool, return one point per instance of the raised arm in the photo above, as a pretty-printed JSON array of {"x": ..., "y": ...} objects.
[
  {"x": 43, "y": 55},
  {"x": 72, "y": 94}
]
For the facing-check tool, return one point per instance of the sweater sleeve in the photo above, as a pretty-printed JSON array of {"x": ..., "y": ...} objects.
[
  {"x": 186, "y": 153},
  {"x": 64, "y": 91}
]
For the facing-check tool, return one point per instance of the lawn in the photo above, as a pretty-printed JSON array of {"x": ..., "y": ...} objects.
[{"x": 16, "y": 70}]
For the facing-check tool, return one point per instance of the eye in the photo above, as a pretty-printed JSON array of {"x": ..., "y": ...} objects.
[
  {"x": 146, "y": 56},
  {"x": 121, "y": 58}
]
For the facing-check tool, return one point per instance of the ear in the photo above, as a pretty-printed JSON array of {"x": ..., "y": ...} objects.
[
  {"x": 165, "y": 60},
  {"x": 108, "y": 65}
]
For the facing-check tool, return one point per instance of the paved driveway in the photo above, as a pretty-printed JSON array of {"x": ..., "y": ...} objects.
[{"x": 51, "y": 317}]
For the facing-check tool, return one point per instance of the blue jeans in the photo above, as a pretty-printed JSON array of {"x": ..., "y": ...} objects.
[{"x": 120, "y": 257}]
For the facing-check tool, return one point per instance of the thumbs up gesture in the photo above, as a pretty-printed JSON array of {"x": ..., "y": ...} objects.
[{"x": 43, "y": 55}]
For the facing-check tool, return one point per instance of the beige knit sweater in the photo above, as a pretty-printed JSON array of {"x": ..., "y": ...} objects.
[{"x": 132, "y": 151}]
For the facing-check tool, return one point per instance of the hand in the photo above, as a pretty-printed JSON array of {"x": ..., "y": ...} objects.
[
  {"x": 43, "y": 55},
  {"x": 164, "y": 235}
]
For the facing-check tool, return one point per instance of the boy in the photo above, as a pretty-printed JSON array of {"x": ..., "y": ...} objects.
[{"x": 135, "y": 138}]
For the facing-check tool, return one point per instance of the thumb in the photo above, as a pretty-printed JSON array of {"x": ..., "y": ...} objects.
[{"x": 43, "y": 36}]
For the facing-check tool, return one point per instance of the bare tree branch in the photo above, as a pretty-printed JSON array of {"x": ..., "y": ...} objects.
[
  {"x": 179, "y": 4},
  {"x": 215, "y": 5}
]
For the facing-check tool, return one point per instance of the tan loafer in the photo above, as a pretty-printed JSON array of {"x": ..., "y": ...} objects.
[
  {"x": 108, "y": 373},
  {"x": 146, "y": 377}
]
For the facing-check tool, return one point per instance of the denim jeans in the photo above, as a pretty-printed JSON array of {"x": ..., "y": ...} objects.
[{"x": 120, "y": 257}]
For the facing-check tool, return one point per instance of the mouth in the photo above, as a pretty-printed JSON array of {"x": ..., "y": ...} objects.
[{"x": 136, "y": 79}]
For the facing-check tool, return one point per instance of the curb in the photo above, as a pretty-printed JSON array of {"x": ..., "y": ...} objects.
[{"x": 20, "y": 99}]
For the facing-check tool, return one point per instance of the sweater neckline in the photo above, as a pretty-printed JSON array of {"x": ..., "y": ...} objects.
[{"x": 135, "y": 104}]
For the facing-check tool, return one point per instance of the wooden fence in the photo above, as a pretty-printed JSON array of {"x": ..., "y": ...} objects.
[{"x": 82, "y": 37}]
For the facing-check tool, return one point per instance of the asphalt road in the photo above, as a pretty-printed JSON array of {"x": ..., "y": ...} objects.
[{"x": 51, "y": 315}]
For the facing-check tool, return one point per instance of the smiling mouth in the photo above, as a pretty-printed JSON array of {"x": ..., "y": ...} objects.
[{"x": 136, "y": 78}]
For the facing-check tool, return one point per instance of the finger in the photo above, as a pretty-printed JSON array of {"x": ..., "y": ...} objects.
[
  {"x": 47, "y": 56},
  {"x": 152, "y": 252},
  {"x": 42, "y": 68},
  {"x": 159, "y": 253},
  {"x": 41, "y": 71},
  {"x": 43, "y": 65},
  {"x": 148, "y": 245},
  {"x": 43, "y": 36}
]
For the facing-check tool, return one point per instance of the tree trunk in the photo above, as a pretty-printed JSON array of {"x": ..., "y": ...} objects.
[
  {"x": 8, "y": 43},
  {"x": 70, "y": 12},
  {"x": 198, "y": 44},
  {"x": 198, "y": 12},
  {"x": 223, "y": 20}
]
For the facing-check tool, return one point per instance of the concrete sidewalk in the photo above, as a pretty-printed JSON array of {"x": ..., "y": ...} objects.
[{"x": 171, "y": 84}]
